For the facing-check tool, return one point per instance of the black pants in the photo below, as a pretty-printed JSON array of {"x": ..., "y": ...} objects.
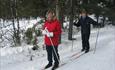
[
  {"x": 51, "y": 54},
  {"x": 85, "y": 41}
]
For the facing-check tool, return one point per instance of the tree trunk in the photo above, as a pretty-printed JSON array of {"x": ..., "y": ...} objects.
[
  {"x": 16, "y": 32},
  {"x": 103, "y": 21},
  {"x": 114, "y": 2},
  {"x": 97, "y": 19},
  {"x": 58, "y": 11},
  {"x": 85, "y": 1},
  {"x": 71, "y": 22}
]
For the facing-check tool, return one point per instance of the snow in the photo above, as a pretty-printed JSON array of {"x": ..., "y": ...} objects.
[
  {"x": 6, "y": 29},
  {"x": 13, "y": 50},
  {"x": 18, "y": 58}
]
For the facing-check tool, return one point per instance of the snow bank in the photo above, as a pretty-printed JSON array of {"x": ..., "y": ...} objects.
[{"x": 13, "y": 50}]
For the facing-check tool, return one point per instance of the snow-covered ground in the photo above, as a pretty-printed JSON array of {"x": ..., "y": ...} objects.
[
  {"x": 6, "y": 29},
  {"x": 103, "y": 59}
]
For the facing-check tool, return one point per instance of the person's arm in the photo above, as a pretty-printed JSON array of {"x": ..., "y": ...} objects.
[
  {"x": 58, "y": 30},
  {"x": 92, "y": 21}
]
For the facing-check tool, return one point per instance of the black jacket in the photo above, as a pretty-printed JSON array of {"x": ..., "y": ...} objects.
[{"x": 85, "y": 24}]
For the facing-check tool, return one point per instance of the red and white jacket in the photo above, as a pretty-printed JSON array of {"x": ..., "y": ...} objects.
[{"x": 55, "y": 27}]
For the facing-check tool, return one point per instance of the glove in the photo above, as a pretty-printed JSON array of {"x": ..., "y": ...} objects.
[
  {"x": 74, "y": 23},
  {"x": 50, "y": 34},
  {"x": 44, "y": 32}
]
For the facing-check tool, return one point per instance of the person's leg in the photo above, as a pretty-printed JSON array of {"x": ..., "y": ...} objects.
[
  {"x": 87, "y": 43},
  {"x": 56, "y": 57},
  {"x": 83, "y": 42},
  {"x": 49, "y": 56}
]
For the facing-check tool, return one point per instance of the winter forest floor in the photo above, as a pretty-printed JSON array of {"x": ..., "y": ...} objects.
[{"x": 103, "y": 59}]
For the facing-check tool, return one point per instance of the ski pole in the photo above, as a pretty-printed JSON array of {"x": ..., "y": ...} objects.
[
  {"x": 53, "y": 46},
  {"x": 96, "y": 41},
  {"x": 74, "y": 39}
]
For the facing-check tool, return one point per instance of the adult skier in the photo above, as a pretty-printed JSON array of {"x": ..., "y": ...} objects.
[
  {"x": 85, "y": 22},
  {"x": 52, "y": 32}
]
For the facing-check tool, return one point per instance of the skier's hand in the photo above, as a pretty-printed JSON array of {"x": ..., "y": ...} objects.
[
  {"x": 74, "y": 23},
  {"x": 50, "y": 34},
  {"x": 44, "y": 32}
]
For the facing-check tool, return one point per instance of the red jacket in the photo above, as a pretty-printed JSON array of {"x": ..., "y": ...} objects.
[{"x": 55, "y": 27}]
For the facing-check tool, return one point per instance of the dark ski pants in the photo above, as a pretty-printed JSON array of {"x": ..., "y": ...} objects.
[
  {"x": 85, "y": 41},
  {"x": 51, "y": 53}
]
